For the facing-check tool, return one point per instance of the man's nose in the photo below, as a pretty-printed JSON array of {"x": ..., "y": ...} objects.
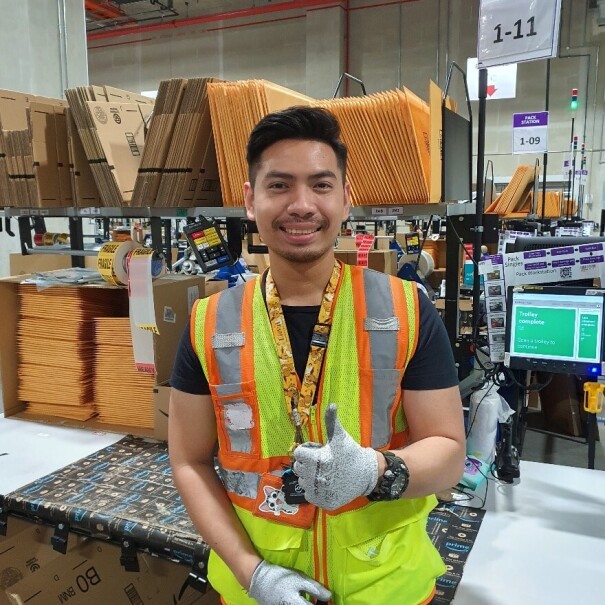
[{"x": 302, "y": 201}]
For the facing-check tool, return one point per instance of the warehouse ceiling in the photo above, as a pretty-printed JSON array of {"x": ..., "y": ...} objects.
[{"x": 104, "y": 15}]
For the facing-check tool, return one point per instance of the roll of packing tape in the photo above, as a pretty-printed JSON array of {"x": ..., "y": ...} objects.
[
  {"x": 114, "y": 258},
  {"x": 111, "y": 262},
  {"x": 426, "y": 264},
  {"x": 158, "y": 267}
]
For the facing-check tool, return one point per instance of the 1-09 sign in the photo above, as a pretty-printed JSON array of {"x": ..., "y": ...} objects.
[{"x": 530, "y": 132}]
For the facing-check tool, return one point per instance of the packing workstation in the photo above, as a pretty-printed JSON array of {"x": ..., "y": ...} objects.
[{"x": 122, "y": 204}]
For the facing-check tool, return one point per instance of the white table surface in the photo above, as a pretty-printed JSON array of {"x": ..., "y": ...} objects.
[
  {"x": 30, "y": 450},
  {"x": 541, "y": 542}
]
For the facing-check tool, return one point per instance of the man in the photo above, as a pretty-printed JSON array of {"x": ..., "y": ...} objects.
[{"x": 318, "y": 377}]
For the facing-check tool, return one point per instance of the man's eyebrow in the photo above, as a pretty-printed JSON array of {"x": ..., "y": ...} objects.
[
  {"x": 322, "y": 175},
  {"x": 276, "y": 174}
]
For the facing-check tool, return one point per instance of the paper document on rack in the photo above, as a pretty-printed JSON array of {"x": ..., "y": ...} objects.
[{"x": 567, "y": 263}]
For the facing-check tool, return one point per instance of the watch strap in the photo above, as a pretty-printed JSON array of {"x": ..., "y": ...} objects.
[{"x": 394, "y": 481}]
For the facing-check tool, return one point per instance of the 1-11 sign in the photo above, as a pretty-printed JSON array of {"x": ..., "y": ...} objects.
[
  {"x": 511, "y": 31},
  {"x": 518, "y": 35}
]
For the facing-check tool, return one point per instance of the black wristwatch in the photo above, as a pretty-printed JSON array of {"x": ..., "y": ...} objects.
[{"x": 394, "y": 481}]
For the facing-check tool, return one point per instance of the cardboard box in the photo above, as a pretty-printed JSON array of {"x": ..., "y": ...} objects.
[
  {"x": 384, "y": 261},
  {"x": 214, "y": 285},
  {"x": 22, "y": 264},
  {"x": 161, "y": 393},
  {"x": 174, "y": 296},
  {"x": 347, "y": 242},
  {"x": 24, "y": 550},
  {"x": 161, "y": 401},
  {"x": 91, "y": 572}
]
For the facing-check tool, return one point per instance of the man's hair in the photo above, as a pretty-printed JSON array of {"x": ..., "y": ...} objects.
[{"x": 299, "y": 123}]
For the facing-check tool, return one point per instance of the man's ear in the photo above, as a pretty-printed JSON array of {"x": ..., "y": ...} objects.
[
  {"x": 249, "y": 201},
  {"x": 346, "y": 210}
]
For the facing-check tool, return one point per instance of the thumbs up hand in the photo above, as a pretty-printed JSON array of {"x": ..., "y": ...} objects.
[{"x": 337, "y": 472}]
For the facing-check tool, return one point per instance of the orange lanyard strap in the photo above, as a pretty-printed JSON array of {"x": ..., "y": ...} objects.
[{"x": 299, "y": 397}]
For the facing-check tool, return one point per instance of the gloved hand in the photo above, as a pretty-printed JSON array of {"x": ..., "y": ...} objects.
[
  {"x": 336, "y": 473},
  {"x": 275, "y": 585}
]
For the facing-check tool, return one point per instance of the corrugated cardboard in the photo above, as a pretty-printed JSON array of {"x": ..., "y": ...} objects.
[
  {"x": 161, "y": 401},
  {"x": 23, "y": 552},
  {"x": 85, "y": 188},
  {"x": 91, "y": 573},
  {"x": 62, "y": 140},
  {"x": 16, "y": 156},
  {"x": 347, "y": 242},
  {"x": 21, "y": 264},
  {"x": 120, "y": 131},
  {"x": 173, "y": 297},
  {"x": 436, "y": 135},
  {"x": 13, "y": 116},
  {"x": 161, "y": 393},
  {"x": 384, "y": 261},
  {"x": 48, "y": 131}
]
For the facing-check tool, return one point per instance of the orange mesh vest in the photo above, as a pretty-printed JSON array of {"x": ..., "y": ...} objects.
[{"x": 373, "y": 337}]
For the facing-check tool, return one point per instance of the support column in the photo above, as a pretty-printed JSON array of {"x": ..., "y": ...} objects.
[
  {"x": 326, "y": 50},
  {"x": 43, "y": 46}
]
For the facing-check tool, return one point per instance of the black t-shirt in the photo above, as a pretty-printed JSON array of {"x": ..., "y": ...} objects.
[{"x": 431, "y": 367}]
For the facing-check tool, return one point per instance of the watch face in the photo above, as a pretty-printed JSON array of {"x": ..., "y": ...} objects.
[{"x": 399, "y": 484}]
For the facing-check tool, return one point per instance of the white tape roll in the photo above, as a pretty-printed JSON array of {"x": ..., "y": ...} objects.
[{"x": 426, "y": 264}]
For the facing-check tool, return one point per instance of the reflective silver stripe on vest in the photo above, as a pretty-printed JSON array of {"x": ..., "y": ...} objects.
[
  {"x": 383, "y": 353},
  {"x": 373, "y": 323},
  {"x": 240, "y": 483},
  {"x": 224, "y": 390},
  {"x": 237, "y": 415},
  {"x": 229, "y": 321}
]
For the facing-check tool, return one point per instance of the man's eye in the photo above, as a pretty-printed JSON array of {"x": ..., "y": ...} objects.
[
  {"x": 323, "y": 186},
  {"x": 277, "y": 186}
]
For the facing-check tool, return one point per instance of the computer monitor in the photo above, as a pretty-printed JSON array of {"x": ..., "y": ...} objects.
[{"x": 555, "y": 329}]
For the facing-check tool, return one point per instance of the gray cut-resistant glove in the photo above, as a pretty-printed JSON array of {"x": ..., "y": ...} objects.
[
  {"x": 275, "y": 585},
  {"x": 336, "y": 473}
]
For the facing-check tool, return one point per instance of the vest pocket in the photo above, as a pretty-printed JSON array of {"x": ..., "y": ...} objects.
[
  {"x": 277, "y": 543},
  {"x": 237, "y": 419},
  {"x": 381, "y": 560}
]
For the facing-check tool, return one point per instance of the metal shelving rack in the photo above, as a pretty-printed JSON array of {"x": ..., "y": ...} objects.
[{"x": 160, "y": 219}]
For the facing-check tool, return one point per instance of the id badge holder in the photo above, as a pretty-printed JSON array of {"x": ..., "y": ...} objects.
[{"x": 271, "y": 504}]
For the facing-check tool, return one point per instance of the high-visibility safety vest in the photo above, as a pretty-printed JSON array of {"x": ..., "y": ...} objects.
[{"x": 366, "y": 552}]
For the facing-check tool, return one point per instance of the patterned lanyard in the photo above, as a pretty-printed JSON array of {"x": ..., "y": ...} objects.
[{"x": 299, "y": 397}]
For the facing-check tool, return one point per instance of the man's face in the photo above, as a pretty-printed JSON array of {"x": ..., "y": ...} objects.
[{"x": 299, "y": 200}]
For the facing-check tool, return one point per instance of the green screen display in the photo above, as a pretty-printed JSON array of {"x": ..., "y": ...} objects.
[
  {"x": 564, "y": 327},
  {"x": 544, "y": 331}
]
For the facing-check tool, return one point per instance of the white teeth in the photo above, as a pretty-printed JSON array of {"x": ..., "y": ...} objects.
[{"x": 300, "y": 231}]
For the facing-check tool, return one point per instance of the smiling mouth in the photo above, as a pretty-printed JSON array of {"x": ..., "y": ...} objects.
[{"x": 301, "y": 231}]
